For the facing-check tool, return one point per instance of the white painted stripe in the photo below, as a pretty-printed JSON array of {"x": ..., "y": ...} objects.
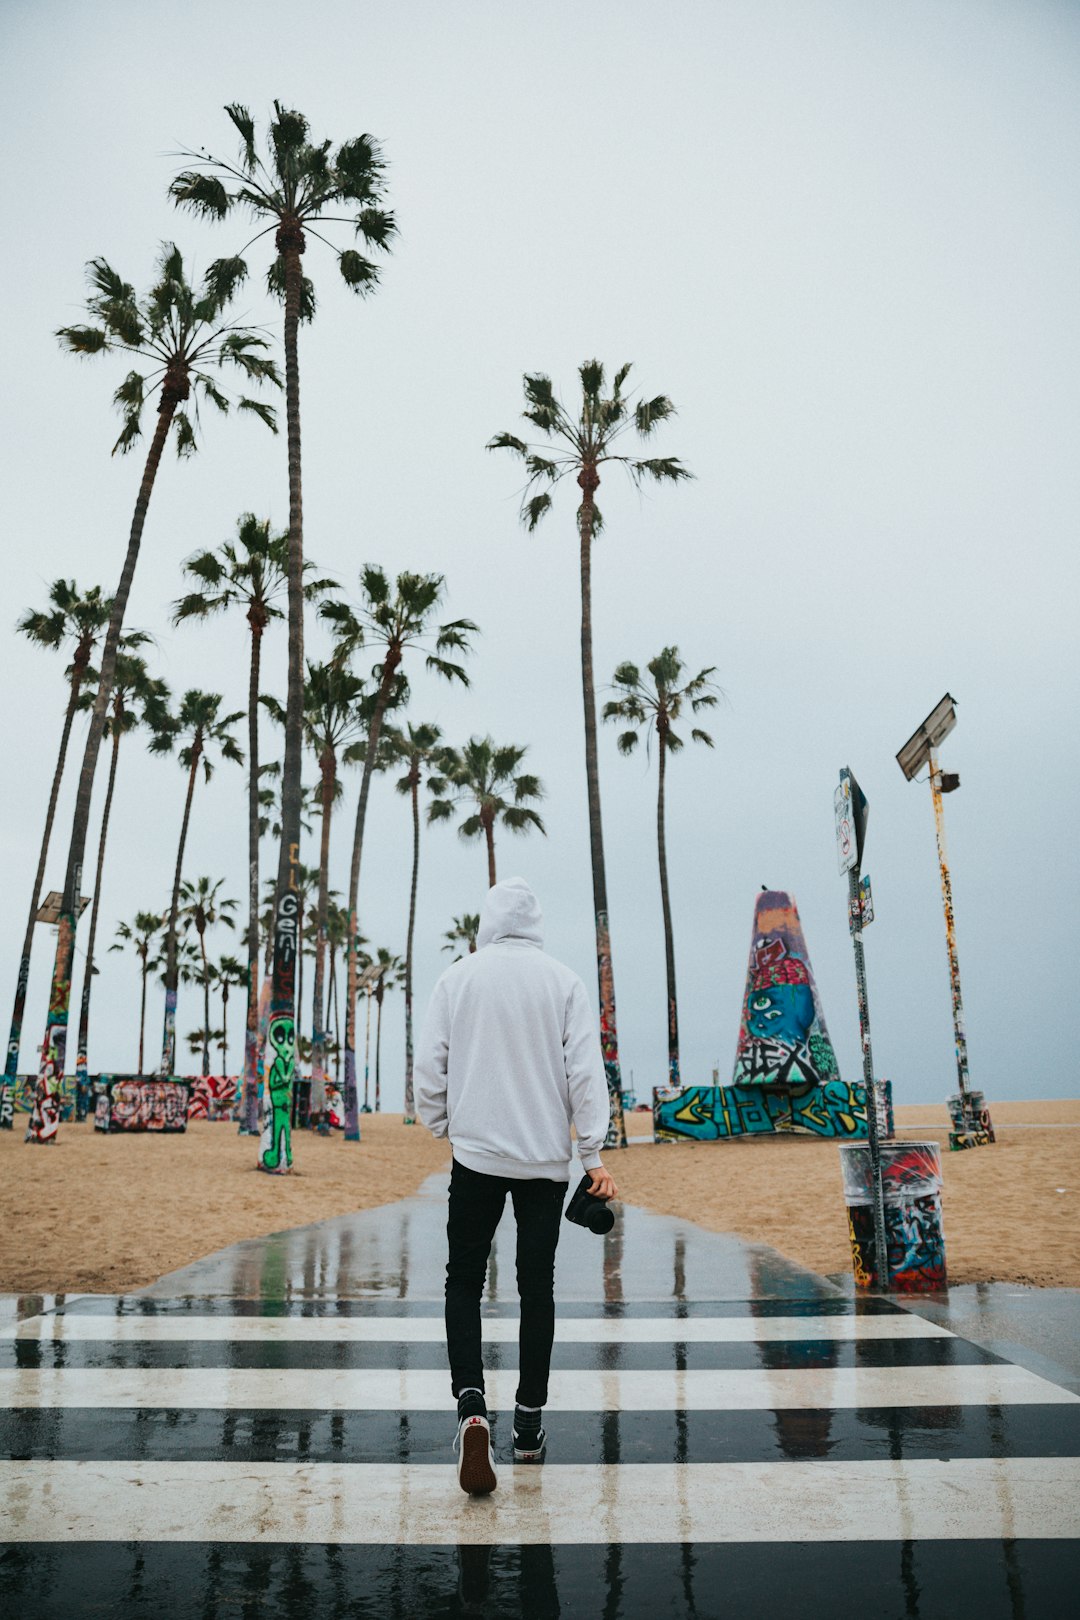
[
  {"x": 496, "y": 1330},
  {"x": 415, "y": 1389},
  {"x": 922, "y": 1499}
]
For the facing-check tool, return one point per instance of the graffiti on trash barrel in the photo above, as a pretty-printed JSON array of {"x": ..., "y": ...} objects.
[{"x": 913, "y": 1235}]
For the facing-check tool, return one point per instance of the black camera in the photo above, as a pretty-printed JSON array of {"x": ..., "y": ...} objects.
[{"x": 585, "y": 1209}]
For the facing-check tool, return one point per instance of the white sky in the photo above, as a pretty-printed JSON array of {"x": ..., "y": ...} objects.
[{"x": 844, "y": 238}]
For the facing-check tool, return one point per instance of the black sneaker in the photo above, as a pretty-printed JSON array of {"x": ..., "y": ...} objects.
[
  {"x": 476, "y": 1459},
  {"x": 530, "y": 1436}
]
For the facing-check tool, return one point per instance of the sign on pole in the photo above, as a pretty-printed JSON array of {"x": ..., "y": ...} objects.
[{"x": 850, "y": 812}]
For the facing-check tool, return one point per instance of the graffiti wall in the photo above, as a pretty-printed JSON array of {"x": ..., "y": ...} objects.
[
  {"x": 714, "y": 1113},
  {"x": 134, "y": 1103},
  {"x": 970, "y": 1121},
  {"x": 214, "y": 1096},
  {"x": 786, "y": 1080}
]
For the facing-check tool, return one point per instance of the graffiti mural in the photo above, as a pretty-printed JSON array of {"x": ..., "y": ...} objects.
[
  {"x": 786, "y": 1079},
  {"x": 133, "y": 1103},
  {"x": 214, "y": 1096},
  {"x": 715, "y": 1113},
  {"x": 609, "y": 1045},
  {"x": 783, "y": 1039},
  {"x": 276, "y": 1145}
]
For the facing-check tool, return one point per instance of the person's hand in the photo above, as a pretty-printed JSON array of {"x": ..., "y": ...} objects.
[{"x": 602, "y": 1184}]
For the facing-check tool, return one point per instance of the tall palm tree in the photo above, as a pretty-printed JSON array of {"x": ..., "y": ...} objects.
[
  {"x": 334, "y": 714},
  {"x": 396, "y": 620},
  {"x": 659, "y": 706},
  {"x": 203, "y": 730},
  {"x": 181, "y": 340},
  {"x": 231, "y": 974},
  {"x": 416, "y": 747},
  {"x": 249, "y": 573},
  {"x": 141, "y": 935},
  {"x": 337, "y": 934},
  {"x": 132, "y": 685},
  {"x": 295, "y": 188},
  {"x": 578, "y": 446},
  {"x": 481, "y": 775},
  {"x": 70, "y": 621},
  {"x": 203, "y": 906},
  {"x": 464, "y": 932},
  {"x": 391, "y": 976}
]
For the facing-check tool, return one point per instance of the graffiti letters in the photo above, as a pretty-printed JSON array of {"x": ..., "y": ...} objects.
[{"x": 714, "y": 1113}]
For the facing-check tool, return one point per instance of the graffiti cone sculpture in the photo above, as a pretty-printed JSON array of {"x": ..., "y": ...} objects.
[{"x": 786, "y": 1079}]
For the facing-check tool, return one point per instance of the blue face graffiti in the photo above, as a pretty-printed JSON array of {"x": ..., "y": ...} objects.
[
  {"x": 783, "y": 1040},
  {"x": 781, "y": 1012}
]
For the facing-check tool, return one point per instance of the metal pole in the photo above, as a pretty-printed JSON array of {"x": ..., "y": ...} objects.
[
  {"x": 959, "y": 1033},
  {"x": 881, "y": 1252}
]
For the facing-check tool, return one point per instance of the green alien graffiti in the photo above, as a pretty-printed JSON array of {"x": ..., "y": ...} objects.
[{"x": 276, "y": 1137}]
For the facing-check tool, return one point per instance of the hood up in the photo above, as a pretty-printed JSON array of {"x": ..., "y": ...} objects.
[{"x": 510, "y": 911}]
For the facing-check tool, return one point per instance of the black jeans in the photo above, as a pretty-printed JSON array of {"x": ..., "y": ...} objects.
[{"x": 476, "y": 1205}]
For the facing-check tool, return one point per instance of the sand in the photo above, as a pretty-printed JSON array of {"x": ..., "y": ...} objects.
[{"x": 107, "y": 1214}]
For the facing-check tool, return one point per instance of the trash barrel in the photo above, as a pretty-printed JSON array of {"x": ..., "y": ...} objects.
[{"x": 911, "y": 1180}]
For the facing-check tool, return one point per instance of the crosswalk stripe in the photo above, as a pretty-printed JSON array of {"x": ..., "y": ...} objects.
[
  {"x": 501, "y": 1330},
  {"x": 583, "y": 1390},
  {"x": 386, "y": 1503}
]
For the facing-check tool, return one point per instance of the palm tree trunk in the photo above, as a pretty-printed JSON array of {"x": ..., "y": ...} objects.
[
  {"x": 168, "y": 1038},
  {"x": 367, "y": 1052},
  {"x": 82, "y": 1081},
  {"x": 225, "y": 1029},
  {"x": 43, "y": 1121},
  {"x": 609, "y": 1040},
  {"x": 352, "y": 1113},
  {"x": 22, "y": 979},
  {"x": 275, "y": 1143},
  {"x": 142, "y": 1011},
  {"x": 409, "y": 1101},
  {"x": 489, "y": 834},
  {"x": 337, "y": 1015},
  {"x": 378, "y": 1052},
  {"x": 206, "y": 1004},
  {"x": 328, "y": 764},
  {"x": 249, "y": 1104},
  {"x": 669, "y": 941}
]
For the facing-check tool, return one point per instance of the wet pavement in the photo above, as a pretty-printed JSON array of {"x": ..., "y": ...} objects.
[{"x": 267, "y": 1433}]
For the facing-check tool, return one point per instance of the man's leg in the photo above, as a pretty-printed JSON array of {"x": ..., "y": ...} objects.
[
  {"x": 538, "y": 1210},
  {"x": 476, "y": 1203}
]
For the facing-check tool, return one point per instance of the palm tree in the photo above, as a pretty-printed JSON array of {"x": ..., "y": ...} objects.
[
  {"x": 141, "y": 935},
  {"x": 250, "y": 573},
  {"x": 416, "y": 746},
  {"x": 578, "y": 447},
  {"x": 481, "y": 774},
  {"x": 464, "y": 932},
  {"x": 202, "y": 907},
  {"x": 334, "y": 713},
  {"x": 391, "y": 976},
  {"x": 231, "y": 973},
  {"x": 294, "y": 188},
  {"x": 182, "y": 341},
  {"x": 204, "y": 729},
  {"x": 132, "y": 684},
  {"x": 658, "y": 707},
  {"x": 396, "y": 620},
  {"x": 70, "y": 621}
]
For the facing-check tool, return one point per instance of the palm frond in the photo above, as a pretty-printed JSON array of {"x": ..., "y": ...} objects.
[
  {"x": 185, "y": 435},
  {"x": 357, "y": 272},
  {"x": 204, "y": 194},
  {"x": 702, "y": 736},
  {"x": 83, "y": 339},
  {"x": 377, "y": 226},
  {"x": 508, "y": 441},
  {"x": 648, "y": 412},
  {"x": 665, "y": 467},
  {"x": 246, "y": 126},
  {"x": 533, "y": 510},
  {"x": 264, "y": 412}
]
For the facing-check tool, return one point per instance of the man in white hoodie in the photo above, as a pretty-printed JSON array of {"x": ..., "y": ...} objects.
[{"x": 508, "y": 1057}]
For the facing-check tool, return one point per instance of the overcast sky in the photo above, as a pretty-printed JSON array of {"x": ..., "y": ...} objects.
[{"x": 844, "y": 238}]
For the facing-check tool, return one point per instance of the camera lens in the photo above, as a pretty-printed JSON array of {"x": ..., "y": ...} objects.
[{"x": 600, "y": 1218}]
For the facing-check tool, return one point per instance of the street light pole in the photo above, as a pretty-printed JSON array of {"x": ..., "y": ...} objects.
[{"x": 959, "y": 1033}]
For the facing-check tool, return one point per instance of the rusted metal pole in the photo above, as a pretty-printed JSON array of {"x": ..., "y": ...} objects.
[
  {"x": 881, "y": 1249},
  {"x": 959, "y": 1032}
]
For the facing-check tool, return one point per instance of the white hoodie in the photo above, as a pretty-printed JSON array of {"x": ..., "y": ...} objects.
[{"x": 510, "y": 1054}]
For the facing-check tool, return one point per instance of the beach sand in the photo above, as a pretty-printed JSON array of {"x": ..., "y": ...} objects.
[{"x": 108, "y": 1214}]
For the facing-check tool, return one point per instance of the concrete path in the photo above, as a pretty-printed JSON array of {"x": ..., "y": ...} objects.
[{"x": 267, "y": 1433}]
